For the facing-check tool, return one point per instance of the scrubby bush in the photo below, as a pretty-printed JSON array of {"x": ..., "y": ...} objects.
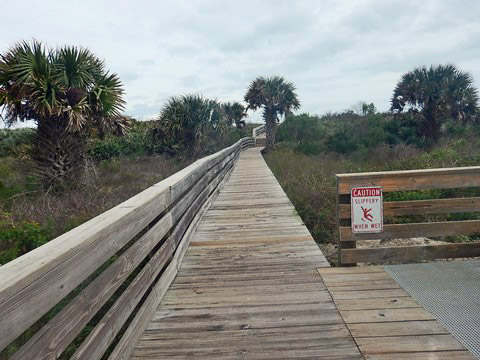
[
  {"x": 18, "y": 239},
  {"x": 16, "y": 141},
  {"x": 343, "y": 132},
  {"x": 302, "y": 128}
]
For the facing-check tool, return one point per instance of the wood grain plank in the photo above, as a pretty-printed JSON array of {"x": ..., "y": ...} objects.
[
  {"x": 405, "y": 231},
  {"x": 385, "y": 315},
  {"x": 445, "y": 178},
  {"x": 422, "y": 207},
  {"x": 411, "y": 253},
  {"x": 394, "y": 344},
  {"x": 248, "y": 286}
]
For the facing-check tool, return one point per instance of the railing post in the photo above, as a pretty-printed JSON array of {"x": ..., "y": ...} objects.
[{"x": 341, "y": 244}]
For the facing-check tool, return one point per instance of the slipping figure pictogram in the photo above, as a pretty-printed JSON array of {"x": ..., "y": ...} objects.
[{"x": 366, "y": 214}]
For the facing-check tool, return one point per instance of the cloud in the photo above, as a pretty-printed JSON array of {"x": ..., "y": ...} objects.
[{"x": 337, "y": 52}]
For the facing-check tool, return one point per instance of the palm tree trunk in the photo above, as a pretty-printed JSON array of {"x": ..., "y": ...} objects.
[
  {"x": 58, "y": 153},
  {"x": 270, "y": 125}
]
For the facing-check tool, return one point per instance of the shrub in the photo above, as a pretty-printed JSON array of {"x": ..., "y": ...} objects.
[
  {"x": 16, "y": 141},
  {"x": 300, "y": 129},
  {"x": 18, "y": 239},
  {"x": 356, "y": 133}
]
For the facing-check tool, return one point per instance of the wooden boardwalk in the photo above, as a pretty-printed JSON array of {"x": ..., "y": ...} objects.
[
  {"x": 248, "y": 287},
  {"x": 386, "y": 322}
]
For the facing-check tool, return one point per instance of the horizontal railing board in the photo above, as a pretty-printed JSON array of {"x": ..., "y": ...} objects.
[
  {"x": 405, "y": 231},
  {"x": 422, "y": 207},
  {"x": 39, "y": 291},
  {"x": 181, "y": 236},
  {"x": 410, "y": 253},
  {"x": 412, "y": 179},
  {"x": 33, "y": 283},
  {"x": 53, "y": 338},
  {"x": 73, "y": 317},
  {"x": 99, "y": 339}
]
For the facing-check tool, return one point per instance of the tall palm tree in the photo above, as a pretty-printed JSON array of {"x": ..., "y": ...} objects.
[
  {"x": 66, "y": 91},
  {"x": 234, "y": 113},
  {"x": 433, "y": 95},
  {"x": 276, "y": 97}
]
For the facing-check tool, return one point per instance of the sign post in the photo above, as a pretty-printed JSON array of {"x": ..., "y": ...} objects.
[{"x": 367, "y": 209}]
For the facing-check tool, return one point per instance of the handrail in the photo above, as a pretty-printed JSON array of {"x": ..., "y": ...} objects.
[
  {"x": 410, "y": 180},
  {"x": 258, "y": 131},
  {"x": 160, "y": 220}
]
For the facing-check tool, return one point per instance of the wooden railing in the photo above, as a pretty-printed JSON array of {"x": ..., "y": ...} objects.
[
  {"x": 395, "y": 181},
  {"x": 256, "y": 132},
  {"x": 138, "y": 244}
]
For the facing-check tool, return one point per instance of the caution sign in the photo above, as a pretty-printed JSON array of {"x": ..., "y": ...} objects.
[{"x": 367, "y": 209}]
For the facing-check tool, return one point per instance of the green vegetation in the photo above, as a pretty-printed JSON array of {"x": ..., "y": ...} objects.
[
  {"x": 234, "y": 114},
  {"x": 275, "y": 96},
  {"x": 312, "y": 149},
  {"x": 68, "y": 92},
  {"x": 433, "y": 95}
]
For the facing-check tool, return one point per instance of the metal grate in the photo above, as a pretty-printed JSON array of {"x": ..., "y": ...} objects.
[{"x": 450, "y": 291}]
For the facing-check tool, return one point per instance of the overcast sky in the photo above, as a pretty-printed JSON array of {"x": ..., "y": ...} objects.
[{"x": 337, "y": 53}]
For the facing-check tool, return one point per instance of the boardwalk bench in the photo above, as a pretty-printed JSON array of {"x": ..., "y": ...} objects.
[{"x": 136, "y": 246}]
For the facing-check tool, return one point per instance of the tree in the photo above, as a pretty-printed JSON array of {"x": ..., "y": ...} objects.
[
  {"x": 368, "y": 109},
  {"x": 276, "y": 97},
  {"x": 187, "y": 122},
  {"x": 67, "y": 92},
  {"x": 433, "y": 95},
  {"x": 234, "y": 114}
]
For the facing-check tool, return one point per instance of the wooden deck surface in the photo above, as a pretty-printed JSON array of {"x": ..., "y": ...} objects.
[
  {"x": 248, "y": 287},
  {"x": 385, "y": 321}
]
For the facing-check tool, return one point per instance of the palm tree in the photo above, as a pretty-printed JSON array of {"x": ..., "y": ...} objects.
[
  {"x": 67, "y": 92},
  {"x": 433, "y": 95},
  {"x": 234, "y": 114},
  {"x": 187, "y": 122},
  {"x": 276, "y": 97}
]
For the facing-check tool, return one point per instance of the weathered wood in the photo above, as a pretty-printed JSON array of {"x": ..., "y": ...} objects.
[
  {"x": 181, "y": 236},
  {"x": 345, "y": 244},
  {"x": 446, "y": 178},
  {"x": 401, "y": 302},
  {"x": 400, "y": 328},
  {"x": 387, "y": 344},
  {"x": 54, "y": 337},
  {"x": 423, "y": 207},
  {"x": 248, "y": 285},
  {"x": 35, "y": 282},
  {"x": 424, "y": 355},
  {"x": 404, "y": 231},
  {"x": 411, "y": 253},
  {"x": 105, "y": 331},
  {"x": 386, "y": 325},
  {"x": 385, "y": 315}
]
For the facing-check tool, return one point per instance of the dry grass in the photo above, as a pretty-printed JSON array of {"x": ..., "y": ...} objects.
[
  {"x": 110, "y": 184},
  {"x": 309, "y": 181}
]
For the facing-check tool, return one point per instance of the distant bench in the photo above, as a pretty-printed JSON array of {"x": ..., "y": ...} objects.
[{"x": 411, "y": 180}]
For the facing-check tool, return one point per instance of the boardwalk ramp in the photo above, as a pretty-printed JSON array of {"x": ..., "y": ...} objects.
[{"x": 248, "y": 287}]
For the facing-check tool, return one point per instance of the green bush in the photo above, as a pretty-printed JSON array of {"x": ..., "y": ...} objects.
[
  {"x": 309, "y": 148},
  {"x": 138, "y": 141},
  {"x": 16, "y": 141},
  {"x": 18, "y": 239},
  {"x": 300, "y": 129},
  {"x": 356, "y": 133}
]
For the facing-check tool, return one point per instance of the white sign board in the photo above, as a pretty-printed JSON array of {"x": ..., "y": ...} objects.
[{"x": 367, "y": 209}]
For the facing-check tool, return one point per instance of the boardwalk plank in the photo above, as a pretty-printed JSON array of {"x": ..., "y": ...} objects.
[
  {"x": 248, "y": 287},
  {"x": 388, "y": 324}
]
